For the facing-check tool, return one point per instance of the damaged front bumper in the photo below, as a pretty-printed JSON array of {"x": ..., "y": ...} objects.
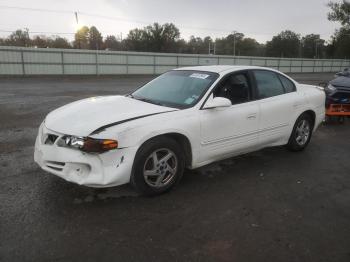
[{"x": 111, "y": 168}]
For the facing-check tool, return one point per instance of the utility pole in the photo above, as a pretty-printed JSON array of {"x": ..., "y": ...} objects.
[
  {"x": 347, "y": 35},
  {"x": 234, "y": 42},
  {"x": 77, "y": 21},
  {"x": 317, "y": 51},
  {"x": 76, "y": 18},
  {"x": 212, "y": 48},
  {"x": 27, "y": 34}
]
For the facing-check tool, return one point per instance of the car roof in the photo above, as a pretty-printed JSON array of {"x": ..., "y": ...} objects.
[{"x": 221, "y": 68}]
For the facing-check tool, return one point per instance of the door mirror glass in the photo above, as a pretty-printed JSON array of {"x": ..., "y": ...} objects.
[{"x": 217, "y": 102}]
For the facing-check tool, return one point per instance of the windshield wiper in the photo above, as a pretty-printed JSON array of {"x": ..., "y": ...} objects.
[{"x": 149, "y": 101}]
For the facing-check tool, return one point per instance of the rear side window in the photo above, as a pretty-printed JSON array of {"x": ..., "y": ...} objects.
[
  {"x": 268, "y": 84},
  {"x": 288, "y": 85}
]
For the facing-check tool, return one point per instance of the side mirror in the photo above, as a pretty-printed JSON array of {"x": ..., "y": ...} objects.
[{"x": 217, "y": 102}]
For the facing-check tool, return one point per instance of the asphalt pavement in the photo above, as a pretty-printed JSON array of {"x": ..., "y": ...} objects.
[{"x": 271, "y": 205}]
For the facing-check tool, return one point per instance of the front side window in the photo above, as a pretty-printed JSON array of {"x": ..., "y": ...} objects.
[
  {"x": 177, "y": 88},
  {"x": 235, "y": 87},
  {"x": 268, "y": 84}
]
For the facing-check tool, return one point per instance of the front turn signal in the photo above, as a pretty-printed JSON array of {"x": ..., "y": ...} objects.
[{"x": 93, "y": 145}]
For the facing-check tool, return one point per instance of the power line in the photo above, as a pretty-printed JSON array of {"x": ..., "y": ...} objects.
[
  {"x": 149, "y": 22},
  {"x": 39, "y": 32},
  {"x": 35, "y": 9},
  {"x": 115, "y": 18}
]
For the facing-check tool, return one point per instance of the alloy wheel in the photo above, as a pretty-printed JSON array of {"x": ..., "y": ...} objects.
[
  {"x": 160, "y": 168},
  {"x": 302, "y": 132}
]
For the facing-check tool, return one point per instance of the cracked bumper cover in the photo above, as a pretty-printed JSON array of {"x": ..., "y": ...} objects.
[{"x": 111, "y": 168}]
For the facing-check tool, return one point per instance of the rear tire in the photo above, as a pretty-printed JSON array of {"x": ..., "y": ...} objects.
[
  {"x": 158, "y": 166},
  {"x": 301, "y": 134}
]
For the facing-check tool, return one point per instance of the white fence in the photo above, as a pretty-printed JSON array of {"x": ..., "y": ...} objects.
[{"x": 40, "y": 61}]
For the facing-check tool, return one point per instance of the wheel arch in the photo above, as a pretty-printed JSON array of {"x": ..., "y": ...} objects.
[
  {"x": 311, "y": 113},
  {"x": 181, "y": 139},
  {"x": 291, "y": 145}
]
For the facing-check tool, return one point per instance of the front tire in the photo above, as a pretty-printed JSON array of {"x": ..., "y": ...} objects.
[
  {"x": 301, "y": 134},
  {"x": 158, "y": 166}
]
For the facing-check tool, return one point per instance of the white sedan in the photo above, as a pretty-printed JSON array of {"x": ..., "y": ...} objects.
[{"x": 185, "y": 118}]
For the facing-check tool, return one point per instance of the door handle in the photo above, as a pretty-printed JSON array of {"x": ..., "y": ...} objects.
[{"x": 251, "y": 116}]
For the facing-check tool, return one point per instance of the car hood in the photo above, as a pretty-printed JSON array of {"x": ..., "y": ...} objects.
[
  {"x": 342, "y": 81},
  {"x": 83, "y": 117}
]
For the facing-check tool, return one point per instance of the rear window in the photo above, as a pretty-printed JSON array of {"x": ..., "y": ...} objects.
[
  {"x": 268, "y": 84},
  {"x": 288, "y": 85}
]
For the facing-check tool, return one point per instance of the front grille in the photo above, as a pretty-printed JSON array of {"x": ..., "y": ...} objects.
[
  {"x": 58, "y": 166},
  {"x": 341, "y": 97}
]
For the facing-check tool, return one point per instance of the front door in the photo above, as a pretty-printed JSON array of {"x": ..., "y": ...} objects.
[{"x": 230, "y": 130}]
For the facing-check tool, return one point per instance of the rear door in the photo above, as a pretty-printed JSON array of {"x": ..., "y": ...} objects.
[{"x": 277, "y": 106}]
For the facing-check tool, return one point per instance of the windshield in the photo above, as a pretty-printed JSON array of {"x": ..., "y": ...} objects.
[{"x": 180, "y": 89}]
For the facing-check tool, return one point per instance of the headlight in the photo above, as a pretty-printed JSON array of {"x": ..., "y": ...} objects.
[
  {"x": 88, "y": 144},
  {"x": 330, "y": 88},
  {"x": 73, "y": 141}
]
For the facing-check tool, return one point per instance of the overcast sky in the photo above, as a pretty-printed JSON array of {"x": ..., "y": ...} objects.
[{"x": 260, "y": 19}]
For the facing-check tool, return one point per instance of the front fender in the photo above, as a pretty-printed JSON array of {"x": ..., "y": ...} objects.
[{"x": 135, "y": 133}]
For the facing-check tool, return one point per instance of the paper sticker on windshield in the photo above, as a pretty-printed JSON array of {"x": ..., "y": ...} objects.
[
  {"x": 189, "y": 100},
  {"x": 201, "y": 76}
]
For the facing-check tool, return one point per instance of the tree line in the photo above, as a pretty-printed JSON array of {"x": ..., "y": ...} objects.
[{"x": 166, "y": 38}]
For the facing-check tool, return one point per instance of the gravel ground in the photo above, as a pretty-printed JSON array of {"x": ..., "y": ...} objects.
[{"x": 271, "y": 205}]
